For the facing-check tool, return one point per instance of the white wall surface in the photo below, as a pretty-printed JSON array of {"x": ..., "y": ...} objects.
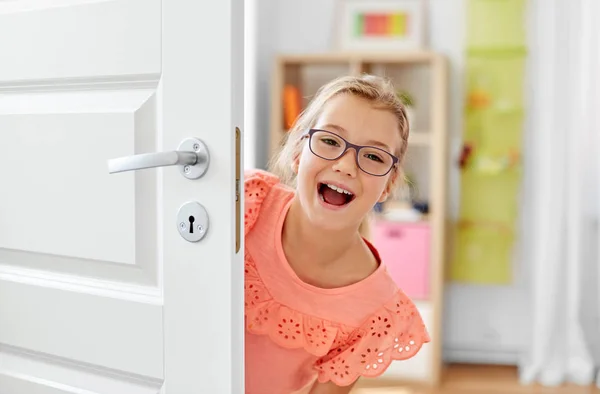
[{"x": 482, "y": 324}]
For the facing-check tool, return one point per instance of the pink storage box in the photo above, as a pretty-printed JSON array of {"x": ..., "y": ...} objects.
[{"x": 404, "y": 249}]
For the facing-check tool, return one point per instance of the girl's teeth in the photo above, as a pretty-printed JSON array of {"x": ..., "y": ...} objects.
[{"x": 338, "y": 189}]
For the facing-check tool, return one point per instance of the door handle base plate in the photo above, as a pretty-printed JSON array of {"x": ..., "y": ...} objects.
[{"x": 199, "y": 169}]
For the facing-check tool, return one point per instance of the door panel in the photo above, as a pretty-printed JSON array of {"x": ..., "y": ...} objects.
[
  {"x": 80, "y": 40},
  {"x": 52, "y": 375},
  {"x": 78, "y": 247},
  {"x": 123, "y": 330},
  {"x": 98, "y": 291},
  {"x": 67, "y": 214}
]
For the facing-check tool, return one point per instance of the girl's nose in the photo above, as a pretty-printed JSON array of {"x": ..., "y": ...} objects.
[{"x": 346, "y": 164}]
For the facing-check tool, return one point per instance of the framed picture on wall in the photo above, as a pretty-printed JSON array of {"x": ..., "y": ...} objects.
[{"x": 379, "y": 25}]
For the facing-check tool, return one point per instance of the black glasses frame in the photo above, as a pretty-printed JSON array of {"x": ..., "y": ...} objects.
[{"x": 349, "y": 145}]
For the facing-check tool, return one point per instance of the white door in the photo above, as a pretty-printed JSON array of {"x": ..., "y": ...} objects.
[{"x": 99, "y": 292}]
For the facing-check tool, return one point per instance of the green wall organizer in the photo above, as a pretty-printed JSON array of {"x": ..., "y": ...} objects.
[
  {"x": 496, "y": 23},
  {"x": 494, "y": 112}
]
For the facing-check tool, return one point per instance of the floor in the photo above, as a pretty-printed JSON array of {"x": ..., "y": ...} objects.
[{"x": 474, "y": 379}]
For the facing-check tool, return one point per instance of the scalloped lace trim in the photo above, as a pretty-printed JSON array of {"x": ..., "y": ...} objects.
[
  {"x": 286, "y": 327},
  {"x": 399, "y": 334},
  {"x": 395, "y": 332}
]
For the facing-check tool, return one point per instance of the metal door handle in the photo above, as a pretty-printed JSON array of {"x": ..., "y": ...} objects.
[
  {"x": 150, "y": 160},
  {"x": 191, "y": 156}
]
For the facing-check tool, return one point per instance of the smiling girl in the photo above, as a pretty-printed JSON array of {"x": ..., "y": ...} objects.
[{"x": 321, "y": 309}]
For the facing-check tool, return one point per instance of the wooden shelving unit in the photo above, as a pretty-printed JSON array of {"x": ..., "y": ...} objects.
[{"x": 424, "y": 74}]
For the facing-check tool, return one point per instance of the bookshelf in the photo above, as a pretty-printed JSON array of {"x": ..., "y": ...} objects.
[{"x": 424, "y": 75}]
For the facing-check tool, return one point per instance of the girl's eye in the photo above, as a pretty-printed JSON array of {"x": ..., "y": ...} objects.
[
  {"x": 373, "y": 157},
  {"x": 330, "y": 141}
]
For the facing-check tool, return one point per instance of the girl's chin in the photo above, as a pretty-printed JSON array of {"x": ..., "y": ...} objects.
[
  {"x": 334, "y": 219},
  {"x": 327, "y": 228}
]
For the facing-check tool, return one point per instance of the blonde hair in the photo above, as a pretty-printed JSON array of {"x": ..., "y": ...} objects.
[{"x": 377, "y": 90}]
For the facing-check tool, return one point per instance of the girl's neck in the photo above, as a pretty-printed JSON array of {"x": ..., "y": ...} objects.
[{"x": 320, "y": 246}]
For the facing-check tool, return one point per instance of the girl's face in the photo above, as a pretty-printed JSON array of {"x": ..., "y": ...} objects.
[{"x": 358, "y": 122}]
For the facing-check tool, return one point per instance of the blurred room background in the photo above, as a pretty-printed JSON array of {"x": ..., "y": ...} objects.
[{"x": 495, "y": 235}]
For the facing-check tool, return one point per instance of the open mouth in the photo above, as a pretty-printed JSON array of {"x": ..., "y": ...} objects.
[{"x": 334, "y": 195}]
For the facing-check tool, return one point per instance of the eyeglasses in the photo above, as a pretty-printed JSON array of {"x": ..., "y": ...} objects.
[{"x": 330, "y": 146}]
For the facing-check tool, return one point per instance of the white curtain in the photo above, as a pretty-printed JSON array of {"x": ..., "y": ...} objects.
[{"x": 560, "y": 237}]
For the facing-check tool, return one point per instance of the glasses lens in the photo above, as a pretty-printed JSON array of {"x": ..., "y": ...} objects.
[
  {"x": 327, "y": 145},
  {"x": 375, "y": 161}
]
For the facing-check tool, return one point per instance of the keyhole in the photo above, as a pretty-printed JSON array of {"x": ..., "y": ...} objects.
[{"x": 191, "y": 219}]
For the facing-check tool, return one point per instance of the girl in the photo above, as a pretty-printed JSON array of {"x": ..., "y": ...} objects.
[{"x": 321, "y": 310}]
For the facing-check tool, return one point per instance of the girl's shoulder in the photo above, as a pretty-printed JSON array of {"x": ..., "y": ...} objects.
[
  {"x": 258, "y": 185},
  {"x": 252, "y": 175}
]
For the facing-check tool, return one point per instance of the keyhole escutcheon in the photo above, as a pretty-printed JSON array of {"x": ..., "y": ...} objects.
[{"x": 191, "y": 219}]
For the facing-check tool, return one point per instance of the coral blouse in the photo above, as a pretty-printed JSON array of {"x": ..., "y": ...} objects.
[{"x": 297, "y": 333}]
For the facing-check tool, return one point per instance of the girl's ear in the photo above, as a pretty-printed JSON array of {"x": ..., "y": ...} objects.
[
  {"x": 296, "y": 163},
  {"x": 391, "y": 184},
  {"x": 386, "y": 193}
]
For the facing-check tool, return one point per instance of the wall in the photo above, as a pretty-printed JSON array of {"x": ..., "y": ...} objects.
[
  {"x": 482, "y": 324},
  {"x": 282, "y": 26},
  {"x": 250, "y": 141}
]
